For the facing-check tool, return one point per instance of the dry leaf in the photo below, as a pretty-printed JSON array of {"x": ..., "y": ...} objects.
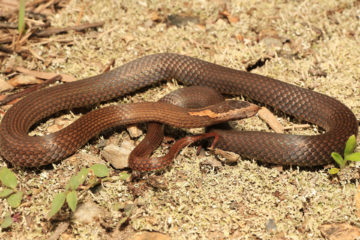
[
  {"x": 4, "y": 85},
  {"x": 59, "y": 124},
  {"x": 268, "y": 33},
  {"x": 128, "y": 38},
  {"x": 150, "y": 235},
  {"x": 240, "y": 37},
  {"x": 24, "y": 80},
  {"x": 181, "y": 20},
  {"x": 270, "y": 119},
  {"x": 340, "y": 231},
  {"x": 229, "y": 17},
  {"x": 45, "y": 75},
  {"x": 155, "y": 17},
  {"x": 89, "y": 212}
]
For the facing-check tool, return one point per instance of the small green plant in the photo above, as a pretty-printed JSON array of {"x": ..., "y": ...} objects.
[
  {"x": 21, "y": 24},
  {"x": 349, "y": 155},
  {"x": 7, "y": 221},
  {"x": 96, "y": 173},
  {"x": 9, "y": 180},
  {"x": 13, "y": 196}
]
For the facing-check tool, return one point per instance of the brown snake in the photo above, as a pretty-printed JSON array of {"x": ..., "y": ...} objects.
[
  {"x": 20, "y": 149},
  {"x": 188, "y": 97}
]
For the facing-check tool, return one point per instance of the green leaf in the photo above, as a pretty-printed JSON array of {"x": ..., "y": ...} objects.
[
  {"x": 350, "y": 145},
  {"x": 83, "y": 174},
  {"x": 124, "y": 176},
  {"x": 6, "y": 192},
  {"x": 57, "y": 203},
  {"x": 6, "y": 222},
  {"x": 78, "y": 179},
  {"x": 71, "y": 199},
  {"x": 100, "y": 170},
  {"x": 8, "y": 178},
  {"x": 21, "y": 24},
  {"x": 338, "y": 159},
  {"x": 334, "y": 171},
  {"x": 355, "y": 157},
  {"x": 15, "y": 199}
]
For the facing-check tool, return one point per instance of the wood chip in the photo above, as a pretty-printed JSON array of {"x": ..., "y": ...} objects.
[
  {"x": 88, "y": 212},
  {"x": 134, "y": 131},
  {"x": 271, "y": 120},
  {"x": 226, "y": 156},
  {"x": 212, "y": 163},
  {"x": 60, "y": 229},
  {"x": 118, "y": 157}
]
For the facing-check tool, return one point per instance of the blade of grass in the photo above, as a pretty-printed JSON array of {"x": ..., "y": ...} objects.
[{"x": 21, "y": 24}]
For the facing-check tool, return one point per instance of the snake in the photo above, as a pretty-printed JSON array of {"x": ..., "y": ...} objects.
[
  {"x": 338, "y": 121},
  {"x": 188, "y": 97}
]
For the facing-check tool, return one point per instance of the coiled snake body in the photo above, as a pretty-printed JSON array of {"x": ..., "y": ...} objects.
[{"x": 338, "y": 121}]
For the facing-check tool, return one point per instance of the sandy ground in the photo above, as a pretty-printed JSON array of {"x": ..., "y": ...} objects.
[{"x": 312, "y": 44}]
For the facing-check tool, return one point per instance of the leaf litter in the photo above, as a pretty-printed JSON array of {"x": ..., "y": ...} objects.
[{"x": 235, "y": 201}]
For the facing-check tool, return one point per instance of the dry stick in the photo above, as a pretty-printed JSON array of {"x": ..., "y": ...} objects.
[
  {"x": 5, "y": 39},
  {"x": 271, "y": 120},
  {"x": 8, "y": 25},
  {"x": 5, "y": 49},
  {"x": 81, "y": 14},
  {"x": 48, "y": 40},
  {"x": 296, "y": 126},
  {"x": 108, "y": 67},
  {"x": 35, "y": 3},
  {"x": 29, "y": 49},
  {"x": 29, "y": 90},
  {"x": 48, "y": 32},
  {"x": 46, "y": 4}
]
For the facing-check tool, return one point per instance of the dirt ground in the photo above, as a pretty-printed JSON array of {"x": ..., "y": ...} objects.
[{"x": 312, "y": 44}]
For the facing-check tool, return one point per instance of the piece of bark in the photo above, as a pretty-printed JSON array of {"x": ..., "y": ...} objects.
[{"x": 134, "y": 131}]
